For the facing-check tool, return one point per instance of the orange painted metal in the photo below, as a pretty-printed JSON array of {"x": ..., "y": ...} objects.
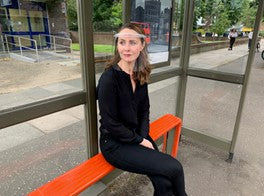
[{"x": 86, "y": 174}]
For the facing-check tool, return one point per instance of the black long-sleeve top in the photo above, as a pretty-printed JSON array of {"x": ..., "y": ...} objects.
[{"x": 124, "y": 113}]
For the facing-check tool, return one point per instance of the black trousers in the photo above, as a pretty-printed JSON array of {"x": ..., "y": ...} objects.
[
  {"x": 249, "y": 43},
  {"x": 165, "y": 172},
  {"x": 232, "y": 41}
]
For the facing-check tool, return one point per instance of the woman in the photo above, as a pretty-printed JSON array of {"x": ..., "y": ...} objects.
[
  {"x": 124, "y": 109},
  {"x": 232, "y": 36}
]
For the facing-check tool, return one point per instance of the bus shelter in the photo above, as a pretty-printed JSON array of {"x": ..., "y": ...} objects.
[{"x": 208, "y": 97}]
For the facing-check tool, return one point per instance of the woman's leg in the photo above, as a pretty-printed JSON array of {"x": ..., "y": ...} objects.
[
  {"x": 162, "y": 185},
  {"x": 249, "y": 43},
  {"x": 138, "y": 159},
  {"x": 232, "y": 41}
]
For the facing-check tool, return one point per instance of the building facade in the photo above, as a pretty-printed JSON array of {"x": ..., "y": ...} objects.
[{"x": 32, "y": 20}]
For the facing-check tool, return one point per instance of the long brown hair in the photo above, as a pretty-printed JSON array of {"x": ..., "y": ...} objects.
[{"x": 142, "y": 67}]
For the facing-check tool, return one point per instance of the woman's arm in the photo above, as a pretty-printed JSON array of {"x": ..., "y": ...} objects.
[
  {"x": 108, "y": 105},
  {"x": 143, "y": 114}
]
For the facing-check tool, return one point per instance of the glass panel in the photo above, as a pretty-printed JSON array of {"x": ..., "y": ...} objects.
[
  {"x": 36, "y": 18},
  {"x": 160, "y": 104},
  {"x": 177, "y": 32},
  {"x": 214, "y": 45},
  {"x": 41, "y": 40},
  {"x": 155, "y": 18},
  {"x": 19, "y": 21},
  {"x": 51, "y": 70},
  {"x": 23, "y": 40},
  {"x": 4, "y": 24},
  {"x": 211, "y": 107},
  {"x": 34, "y": 152}
]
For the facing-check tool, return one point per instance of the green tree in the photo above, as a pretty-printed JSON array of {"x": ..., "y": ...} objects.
[
  {"x": 117, "y": 13},
  {"x": 249, "y": 14},
  {"x": 221, "y": 22},
  {"x": 234, "y": 9},
  {"x": 107, "y": 15},
  {"x": 72, "y": 15},
  {"x": 205, "y": 9}
]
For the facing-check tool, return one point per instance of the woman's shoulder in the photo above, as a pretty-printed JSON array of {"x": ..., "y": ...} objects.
[
  {"x": 107, "y": 73},
  {"x": 108, "y": 76}
]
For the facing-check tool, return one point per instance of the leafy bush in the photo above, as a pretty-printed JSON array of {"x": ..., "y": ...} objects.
[
  {"x": 202, "y": 31},
  {"x": 261, "y": 33},
  {"x": 106, "y": 26}
]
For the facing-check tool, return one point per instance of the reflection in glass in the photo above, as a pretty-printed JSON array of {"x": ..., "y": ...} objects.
[
  {"x": 18, "y": 20},
  {"x": 177, "y": 25},
  {"x": 154, "y": 17},
  {"x": 36, "y": 55},
  {"x": 37, "y": 21}
]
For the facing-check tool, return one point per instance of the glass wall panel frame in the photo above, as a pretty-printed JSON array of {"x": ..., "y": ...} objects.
[
  {"x": 127, "y": 7},
  {"x": 26, "y": 112},
  {"x": 213, "y": 75}
]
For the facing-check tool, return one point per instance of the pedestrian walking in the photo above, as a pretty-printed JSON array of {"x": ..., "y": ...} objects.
[
  {"x": 124, "y": 109},
  {"x": 232, "y": 37}
]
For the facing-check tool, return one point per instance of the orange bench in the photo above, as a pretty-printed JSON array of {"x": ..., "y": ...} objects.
[{"x": 89, "y": 172}]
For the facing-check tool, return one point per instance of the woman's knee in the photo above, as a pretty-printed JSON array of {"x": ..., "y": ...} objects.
[{"x": 176, "y": 169}]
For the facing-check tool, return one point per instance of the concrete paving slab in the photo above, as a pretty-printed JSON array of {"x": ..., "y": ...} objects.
[
  {"x": 162, "y": 101},
  {"x": 215, "y": 58},
  {"x": 57, "y": 87},
  {"x": 77, "y": 112},
  {"x": 17, "y": 134},
  {"x": 10, "y": 99},
  {"x": 75, "y": 62},
  {"x": 162, "y": 84},
  {"x": 31, "y": 164},
  {"x": 17, "y": 103},
  {"x": 12, "y": 185},
  {"x": 77, "y": 83},
  {"x": 214, "y": 107},
  {"x": 36, "y": 93},
  {"x": 53, "y": 122},
  {"x": 161, "y": 57}
]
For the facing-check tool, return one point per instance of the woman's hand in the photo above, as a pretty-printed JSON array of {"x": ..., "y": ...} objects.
[{"x": 147, "y": 144}]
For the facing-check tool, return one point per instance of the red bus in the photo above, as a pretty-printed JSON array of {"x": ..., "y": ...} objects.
[{"x": 145, "y": 26}]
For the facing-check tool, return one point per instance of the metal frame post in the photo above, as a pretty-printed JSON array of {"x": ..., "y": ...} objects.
[
  {"x": 54, "y": 43},
  {"x": 19, "y": 42},
  {"x": 88, "y": 73},
  {"x": 3, "y": 44},
  {"x": 7, "y": 47},
  {"x": 246, "y": 78},
  {"x": 126, "y": 16},
  {"x": 40, "y": 45},
  {"x": 185, "y": 55},
  {"x": 36, "y": 49}
]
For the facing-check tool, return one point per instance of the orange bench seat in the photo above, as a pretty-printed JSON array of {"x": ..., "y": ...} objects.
[{"x": 89, "y": 172}]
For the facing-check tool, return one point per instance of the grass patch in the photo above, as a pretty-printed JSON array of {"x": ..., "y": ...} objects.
[{"x": 97, "y": 48}]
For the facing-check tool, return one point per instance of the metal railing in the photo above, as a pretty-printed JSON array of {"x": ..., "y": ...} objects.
[
  {"x": 21, "y": 46},
  {"x": 54, "y": 42},
  {"x": 2, "y": 43}
]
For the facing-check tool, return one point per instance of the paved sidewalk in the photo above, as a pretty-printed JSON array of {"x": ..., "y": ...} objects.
[{"x": 206, "y": 60}]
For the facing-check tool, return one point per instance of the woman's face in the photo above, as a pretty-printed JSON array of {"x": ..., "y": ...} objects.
[{"x": 129, "y": 45}]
